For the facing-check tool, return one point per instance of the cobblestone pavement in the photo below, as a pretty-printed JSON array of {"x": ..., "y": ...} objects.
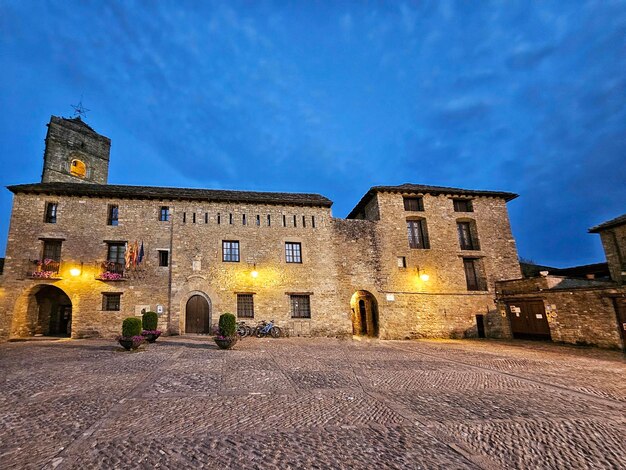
[{"x": 311, "y": 403}]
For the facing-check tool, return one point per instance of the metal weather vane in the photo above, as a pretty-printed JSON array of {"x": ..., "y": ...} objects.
[{"x": 79, "y": 110}]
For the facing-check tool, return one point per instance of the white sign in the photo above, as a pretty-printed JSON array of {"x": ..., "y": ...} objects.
[
  {"x": 391, "y": 297},
  {"x": 159, "y": 309},
  {"x": 538, "y": 315}
]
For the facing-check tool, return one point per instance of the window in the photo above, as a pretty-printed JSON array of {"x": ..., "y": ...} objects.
[
  {"x": 414, "y": 204},
  {"x": 164, "y": 214},
  {"x": 230, "y": 251},
  {"x": 112, "y": 216},
  {"x": 463, "y": 205},
  {"x": 472, "y": 274},
  {"x": 284, "y": 220},
  {"x": 402, "y": 261},
  {"x": 304, "y": 221},
  {"x": 243, "y": 219},
  {"x": 467, "y": 235},
  {"x": 52, "y": 250},
  {"x": 293, "y": 252},
  {"x": 295, "y": 221},
  {"x": 193, "y": 218},
  {"x": 115, "y": 257},
  {"x": 206, "y": 217},
  {"x": 164, "y": 258},
  {"x": 111, "y": 302},
  {"x": 313, "y": 221},
  {"x": 258, "y": 219},
  {"x": 245, "y": 306},
  {"x": 300, "y": 306},
  {"x": 230, "y": 218},
  {"x": 219, "y": 218},
  {"x": 184, "y": 217},
  {"x": 418, "y": 233},
  {"x": 269, "y": 220},
  {"x": 51, "y": 213}
]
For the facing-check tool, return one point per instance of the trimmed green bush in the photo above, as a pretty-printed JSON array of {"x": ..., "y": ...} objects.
[
  {"x": 149, "y": 320},
  {"x": 131, "y": 326},
  {"x": 227, "y": 324}
]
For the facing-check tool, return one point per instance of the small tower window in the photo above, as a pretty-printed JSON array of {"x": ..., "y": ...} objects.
[{"x": 78, "y": 168}]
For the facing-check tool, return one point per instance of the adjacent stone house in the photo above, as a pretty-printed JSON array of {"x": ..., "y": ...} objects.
[
  {"x": 409, "y": 261},
  {"x": 569, "y": 309}
]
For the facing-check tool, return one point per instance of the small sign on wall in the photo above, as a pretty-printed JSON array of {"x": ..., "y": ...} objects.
[
  {"x": 391, "y": 297},
  {"x": 159, "y": 309}
]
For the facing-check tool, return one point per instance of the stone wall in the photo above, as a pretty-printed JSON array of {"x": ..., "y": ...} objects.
[
  {"x": 614, "y": 244},
  {"x": 69, "y": 139},
  {"x": 339, "y": 258},
  {"x": 582, "y": 313}
]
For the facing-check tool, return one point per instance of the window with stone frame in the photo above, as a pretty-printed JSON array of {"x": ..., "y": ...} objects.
[
  {"x": 462, "y": 205},
  {"x": 245, "y": 305},
  {"x": 111, "y": 301},
  {"x": 417, "y": 233},
  {"x": 164, "y": 214},
  {"x": 113, "y": 214},
  {"x": 50, "y": 216},
  {"x": 52, "y": 250},
  {"x": 164, "y": 258},
  {"x": 474, "y": 278},
  {"x": 230, "y": 251},
  {"x": 468, "y": 234},
  {"x": 293, "y": 252},
  {"x": 414, "y": 204},
  {"x": 300, "y": 305}
]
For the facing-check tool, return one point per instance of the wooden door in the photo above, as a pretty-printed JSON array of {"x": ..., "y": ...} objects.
[
  {"x": 528, "y": 319},
  {"x": 197, "y": 316},
  {"x": 620, "y": 310}
]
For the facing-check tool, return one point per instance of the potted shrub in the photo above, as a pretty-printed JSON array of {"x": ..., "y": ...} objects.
[
  {"x": 226, "y": 336},
  {"x": 131, "y": 333},
  {"x": 149, "y": 321}
]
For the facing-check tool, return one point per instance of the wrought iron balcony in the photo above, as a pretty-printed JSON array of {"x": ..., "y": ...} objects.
[
  {"x": 46, "y": 268},
  {"x": 111, "y": 271}
]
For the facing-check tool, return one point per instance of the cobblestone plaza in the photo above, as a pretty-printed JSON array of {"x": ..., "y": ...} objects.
[{"x": 311, "y": 403}]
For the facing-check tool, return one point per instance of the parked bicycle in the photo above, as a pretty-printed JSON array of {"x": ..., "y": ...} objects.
[
  {"x": 267, "y": 328},
  {"x": 244, "y": 330}
]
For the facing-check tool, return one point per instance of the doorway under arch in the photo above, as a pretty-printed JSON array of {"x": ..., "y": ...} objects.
[
  {"x": 197, "y": 315},
  {"x": 364, "y": 314},
  {"x": 52, "y": 312}
]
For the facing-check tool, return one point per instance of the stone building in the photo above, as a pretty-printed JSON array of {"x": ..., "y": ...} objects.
[
  {"x": 569, "y": 309},
  {"x": 409, "y": 261}
]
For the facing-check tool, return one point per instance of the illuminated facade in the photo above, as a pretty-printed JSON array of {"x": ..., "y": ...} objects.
[{"x": 409, "y": 261}]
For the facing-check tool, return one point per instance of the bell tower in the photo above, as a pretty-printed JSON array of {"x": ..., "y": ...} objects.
[{"x": 75, "y": 153}]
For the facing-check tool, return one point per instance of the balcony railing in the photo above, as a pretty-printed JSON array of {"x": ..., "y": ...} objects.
[
  {"x": 44, "y": 269},
  {"x": 111, "y": 271}
]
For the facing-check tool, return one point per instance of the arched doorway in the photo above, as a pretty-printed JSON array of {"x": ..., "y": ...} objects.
[
  {"x": 364, "y": 314},
  {"x": 54, "y": 312},
  {"x": 197, "y": 315}
]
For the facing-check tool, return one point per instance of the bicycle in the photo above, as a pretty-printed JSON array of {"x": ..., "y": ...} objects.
[
  {"x": 265, "y": 328},
  {"x": 243, "y": 330}
]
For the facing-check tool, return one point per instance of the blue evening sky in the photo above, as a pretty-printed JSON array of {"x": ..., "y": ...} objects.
[{"x": 336, "y": 97}]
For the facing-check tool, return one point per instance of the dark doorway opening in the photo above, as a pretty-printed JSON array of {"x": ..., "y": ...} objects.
[
  {"x": 480, "y": 325},
  {"x": 54, "y": 312}
]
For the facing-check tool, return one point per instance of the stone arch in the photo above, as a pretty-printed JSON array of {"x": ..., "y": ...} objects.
[
  {"x": 183, "y": 307},
  {"x": 365, "y": 316},
  {"x": 45, "y": 309}
]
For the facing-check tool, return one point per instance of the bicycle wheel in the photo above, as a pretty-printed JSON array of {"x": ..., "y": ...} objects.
[
  {"x": 249, "y": 330},
  {"x": 260, "y": 333},
  {"x": 241, "y": 331},
  {"x": 276, "y": 332}
]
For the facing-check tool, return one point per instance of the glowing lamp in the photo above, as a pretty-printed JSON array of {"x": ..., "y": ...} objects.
[
  {"x": 254, "y": 274},
  {"x": 424, "y": 277},
  {"x": 75, "y": 271}
]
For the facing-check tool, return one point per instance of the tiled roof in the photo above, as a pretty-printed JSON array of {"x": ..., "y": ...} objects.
[
  {"x": 621, "y": 220},
  {"x": 410, "y": 188},
  {"x": 156, "y": 192}
]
